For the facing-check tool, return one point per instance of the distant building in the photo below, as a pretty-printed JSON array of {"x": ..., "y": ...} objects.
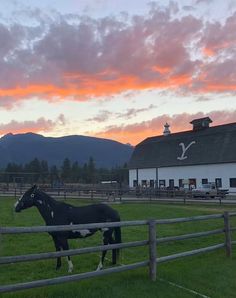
[{"x": 201, "y": 155}]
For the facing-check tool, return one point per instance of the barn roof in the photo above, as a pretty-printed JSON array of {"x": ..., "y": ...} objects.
[{"x": 211, "y": 145}]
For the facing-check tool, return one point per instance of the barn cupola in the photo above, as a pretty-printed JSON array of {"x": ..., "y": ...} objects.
[
  {"x": 201, "y": 123},
  {"x": 166, "y": 131}
]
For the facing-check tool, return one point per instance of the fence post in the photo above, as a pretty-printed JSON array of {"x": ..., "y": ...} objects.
[
  {"x": 228, "y": 244},
  {"x": 152, "y": 250}
]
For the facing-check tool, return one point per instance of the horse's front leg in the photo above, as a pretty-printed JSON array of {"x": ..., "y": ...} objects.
[
  {"x": 58, "y": 248},
  {"x": 65, "y": 246}
]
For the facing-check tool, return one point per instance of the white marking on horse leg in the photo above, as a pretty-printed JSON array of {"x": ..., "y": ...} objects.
[
  {"x": 104, "y": 229},
  {"x": 83, "y": 233},
  {"x": 70, "y": 265},
  {"x": 100, "y": 266},
  {"x": 52, "y": 214}
]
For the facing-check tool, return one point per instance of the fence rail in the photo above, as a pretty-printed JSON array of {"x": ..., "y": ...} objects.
[
  {"x": 151, "y": 242},
  {"x": 121, "y": 194}
]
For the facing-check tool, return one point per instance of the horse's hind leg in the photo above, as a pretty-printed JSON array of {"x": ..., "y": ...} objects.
[
  {"x": 105, "y": 242},
  {"x": 111, "y": 241},
  {"x": 114, "y": 255}
]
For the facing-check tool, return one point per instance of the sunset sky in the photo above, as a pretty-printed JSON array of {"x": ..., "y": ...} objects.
[{"x": 115, "y": 69}]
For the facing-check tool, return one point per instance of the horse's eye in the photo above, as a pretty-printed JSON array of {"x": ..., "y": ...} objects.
[{"x": 32, "y": 195}]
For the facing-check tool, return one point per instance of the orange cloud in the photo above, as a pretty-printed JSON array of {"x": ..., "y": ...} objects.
[
  {"x": 208, "y": 52},
  {"x": 161, "y": 69},
  {"x": 219, "y": 88},
  {"x": 39, "y": 125},
  {"x": 93, "y": 86},
  {"x": 137, "y": 132}
]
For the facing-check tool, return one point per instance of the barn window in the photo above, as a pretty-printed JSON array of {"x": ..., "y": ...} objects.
[
  {"x": 162, "y": 183},
  {"x": 204, "y": 181},
  {"x": 232, "y": 182},
  {"x": 218, "y": 182},
  {"x": 171, "y": 183},
  {"x": 151, "y": 183},
  {"x": 144, "y": 183},
  {"x": 135, "y": 183}
]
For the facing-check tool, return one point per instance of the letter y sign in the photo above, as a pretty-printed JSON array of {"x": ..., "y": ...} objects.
[{"x": 184, "y": 149}]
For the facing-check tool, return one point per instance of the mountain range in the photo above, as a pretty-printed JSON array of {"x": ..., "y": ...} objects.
[{"x": 22, "y": 148}]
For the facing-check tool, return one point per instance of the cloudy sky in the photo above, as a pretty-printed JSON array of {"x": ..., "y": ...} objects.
[{"x": 115, "y": 69}]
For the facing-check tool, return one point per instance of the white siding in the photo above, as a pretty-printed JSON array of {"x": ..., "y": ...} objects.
[
  {"x": 198, "y": 172},
  {"x": 143, "y": 174},
  {"x": 147, "y": 174},
  {"x": 132, "y": 177}
]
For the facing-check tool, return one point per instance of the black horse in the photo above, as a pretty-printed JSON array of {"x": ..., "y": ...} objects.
[{"x": 59, "y": 213}]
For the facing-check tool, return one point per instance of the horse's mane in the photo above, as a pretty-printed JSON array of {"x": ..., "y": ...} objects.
[
  {"x": 51, "y": 201},
  {"x": 44, "y": 196}
]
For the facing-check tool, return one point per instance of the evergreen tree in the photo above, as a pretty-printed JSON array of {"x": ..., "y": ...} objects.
[
  {"x": 85, "y": 173},
  {"x": 75, "y": 172},
  {"x": 34, "y": 167},
  {"x": 91, "y": 171},
  {"x": 11, "y": 171},
  {"x": 66, "y": 170},
  {"x": 44, "y": 171},
  {"x": 54, "y": 176},
  {"x": 88, "y": 173}
]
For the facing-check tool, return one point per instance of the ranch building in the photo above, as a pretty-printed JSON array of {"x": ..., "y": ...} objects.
[{"x": 202, "y": 155}]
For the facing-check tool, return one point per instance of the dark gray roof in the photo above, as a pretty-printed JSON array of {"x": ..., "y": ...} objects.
[{"x": 215, "y": 144}]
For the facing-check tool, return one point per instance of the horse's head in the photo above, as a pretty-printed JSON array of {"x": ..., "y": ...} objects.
[{"x": 27, "y": 200}]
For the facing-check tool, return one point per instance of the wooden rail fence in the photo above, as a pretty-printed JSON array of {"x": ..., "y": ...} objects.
[
  {"x": 119, "y": 194},
  {"x": 151, "y": 242}
]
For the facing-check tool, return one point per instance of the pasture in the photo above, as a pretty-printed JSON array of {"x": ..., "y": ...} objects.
[{"x": 210, "y": 274}]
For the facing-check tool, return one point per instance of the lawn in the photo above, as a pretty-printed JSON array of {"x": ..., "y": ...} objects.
[{"x": 210, "y": 274}]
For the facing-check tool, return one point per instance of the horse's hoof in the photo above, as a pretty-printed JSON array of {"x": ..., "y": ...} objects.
[{"x": 100, "y": 266}]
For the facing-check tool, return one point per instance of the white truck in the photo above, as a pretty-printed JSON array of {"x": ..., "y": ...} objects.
[{"x": 208, "y": 190}]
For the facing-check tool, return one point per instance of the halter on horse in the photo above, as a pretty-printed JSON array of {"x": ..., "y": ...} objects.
[{"x": 59, "y": 213}]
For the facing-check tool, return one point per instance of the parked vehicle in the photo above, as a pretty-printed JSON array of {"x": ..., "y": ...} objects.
[{"x": 208, "y": 190}]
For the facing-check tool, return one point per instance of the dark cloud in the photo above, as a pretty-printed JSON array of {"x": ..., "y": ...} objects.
[
  {"x": 102, "y": 116},
  {"x": 130, "y": 113},
  {"x": 203, "y": 98},
  {"x": 188, "y": 8},
  {"x": 105, "y": 115},
  {"x": 203, "y": 1}
]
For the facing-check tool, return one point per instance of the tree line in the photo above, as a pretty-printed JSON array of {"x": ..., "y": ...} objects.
[{"x": 38, "y": 171}]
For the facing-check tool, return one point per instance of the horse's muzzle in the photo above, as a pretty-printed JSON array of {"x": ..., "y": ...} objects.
[{"x": 17, "y": 208}]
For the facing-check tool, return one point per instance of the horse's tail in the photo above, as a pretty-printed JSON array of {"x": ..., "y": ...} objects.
[{"x": 117, "y": 235}]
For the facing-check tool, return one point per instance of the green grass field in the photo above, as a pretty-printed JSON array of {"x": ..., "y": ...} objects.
[{"x": 210, "y": 274}]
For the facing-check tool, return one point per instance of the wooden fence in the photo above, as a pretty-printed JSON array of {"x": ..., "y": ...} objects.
[
  {"x": 152, "y": 242},
  {"x": 124, "y": 194}
]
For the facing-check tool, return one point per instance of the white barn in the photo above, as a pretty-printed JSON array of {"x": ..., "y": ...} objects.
[{"x": 204, "y": 154}]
